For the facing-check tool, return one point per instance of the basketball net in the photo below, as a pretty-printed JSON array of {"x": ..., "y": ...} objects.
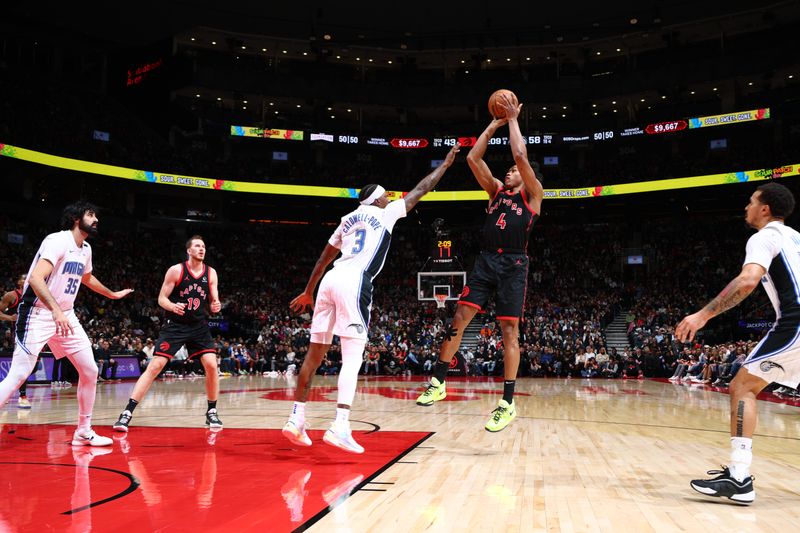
[{"x": 440, "y": 300}]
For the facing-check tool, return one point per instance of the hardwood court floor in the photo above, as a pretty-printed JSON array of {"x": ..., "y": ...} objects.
[{"x": 599, "y": 455}]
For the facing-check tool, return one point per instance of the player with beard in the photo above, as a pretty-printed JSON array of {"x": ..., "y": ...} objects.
[{"x": 46, "y": 316}]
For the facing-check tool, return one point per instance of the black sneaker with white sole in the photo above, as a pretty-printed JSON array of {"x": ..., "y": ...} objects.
[
  {"x": 122, "y": 422},
  {"x": 725, "y": 486},
  {"x": 212, "y": 420}
]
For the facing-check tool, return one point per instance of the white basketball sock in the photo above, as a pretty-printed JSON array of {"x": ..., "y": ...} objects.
[
  {"x": 342, "y": 417},
  {"x": 741, "y": 457},
  {"x": 298, "y": 413}
]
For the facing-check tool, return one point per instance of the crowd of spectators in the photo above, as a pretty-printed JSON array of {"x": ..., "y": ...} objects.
[{"x": 571, "y": 298}]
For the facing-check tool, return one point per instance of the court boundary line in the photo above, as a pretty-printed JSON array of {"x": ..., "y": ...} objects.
[{"x": 320, "y": 515}]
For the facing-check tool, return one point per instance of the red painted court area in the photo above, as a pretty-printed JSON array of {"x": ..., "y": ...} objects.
[{"x": 182, "y": 479}]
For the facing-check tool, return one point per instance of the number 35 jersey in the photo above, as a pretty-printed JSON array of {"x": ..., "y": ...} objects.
[
  {"x": 192, "y": 291},
  {"x": 364, "y": 235},
  {"x": 70, "y": 263},
  {"x": 509, "y": 220}
]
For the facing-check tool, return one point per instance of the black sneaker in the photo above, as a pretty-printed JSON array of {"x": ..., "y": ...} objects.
[
  {"x": 212, "y": 420},
  {"x": 122, "y": 422},
  {"x": 726, "y": 486}
]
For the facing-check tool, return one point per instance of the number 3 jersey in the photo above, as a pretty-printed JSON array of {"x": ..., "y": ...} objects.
[
  {"x": 192, "y": 291},
  {"x": 70, "y": 263},
  {"x": 509, "y": 220},
  {"x": 364, "y": 235}
]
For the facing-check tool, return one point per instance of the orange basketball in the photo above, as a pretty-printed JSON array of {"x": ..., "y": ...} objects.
[{"x": 495, "y": 103}]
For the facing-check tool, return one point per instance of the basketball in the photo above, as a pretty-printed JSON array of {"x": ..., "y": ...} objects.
[{"x": 495, "y": 104}]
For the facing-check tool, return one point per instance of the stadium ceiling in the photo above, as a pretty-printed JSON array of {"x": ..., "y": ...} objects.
[{"x": 410, "y": 24}]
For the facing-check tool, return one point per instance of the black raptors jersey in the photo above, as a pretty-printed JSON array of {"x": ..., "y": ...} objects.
[
  {"x": 509, "y": 220},
  {"x": 192, "y": 291},
  {"x": 12, "y": 308}
]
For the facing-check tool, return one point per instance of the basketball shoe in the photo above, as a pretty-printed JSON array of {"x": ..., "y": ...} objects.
[
  {"x": 436, "y": 391},
  {"x": 87, "y": 437},
  {"x": 503, "y": 414},
  {"x": 725, "y": 486},
  {"x": 23, "y": 402},
  {"x": 340, "y": 436},
  {"x": 212, "y": 420},
  {"x": 122, "y": 422},
  {"x": 296, "y": 433}
]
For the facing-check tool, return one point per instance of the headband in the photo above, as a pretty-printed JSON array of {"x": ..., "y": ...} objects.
[{"x": 377, "y": 193}]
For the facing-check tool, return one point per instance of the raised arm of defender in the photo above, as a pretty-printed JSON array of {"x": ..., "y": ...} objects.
[{"x": 429, "y": 182}]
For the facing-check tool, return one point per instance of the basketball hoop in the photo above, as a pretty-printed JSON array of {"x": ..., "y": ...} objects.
[{"x": 440, "y": 300}]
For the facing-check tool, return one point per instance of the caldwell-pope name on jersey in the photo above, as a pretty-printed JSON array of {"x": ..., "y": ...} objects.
[
  {"x": 361, "y": 217},
  {"x": 193, "y": 287}
]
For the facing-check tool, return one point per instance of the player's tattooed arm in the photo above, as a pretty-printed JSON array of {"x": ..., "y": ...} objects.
[
  {"x": 737, "y": 290},
  {"x": 429, "y": 182}
]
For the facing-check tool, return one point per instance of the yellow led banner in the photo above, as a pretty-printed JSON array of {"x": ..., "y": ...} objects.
[
  {"x": 148, "y": 176},
  {"x": 729, "y": 118},
  {"x": 266, "y": 133}
]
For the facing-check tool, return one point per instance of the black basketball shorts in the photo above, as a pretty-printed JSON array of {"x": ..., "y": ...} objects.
[
  {"x": 196, "y": 337},
  {"x": 503, "y": 274}
]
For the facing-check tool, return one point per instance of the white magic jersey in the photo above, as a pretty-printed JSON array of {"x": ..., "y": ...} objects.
[
  {"x": 776, "y": 247},
  {"x": 70, "y": 262},
  {"x": 363, "y": 236}
]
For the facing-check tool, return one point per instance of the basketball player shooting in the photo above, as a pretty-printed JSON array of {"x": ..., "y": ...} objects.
[
  {"x": 344, "y": 300},
  {"x": 46, "y": 316},
  {"x": 502, "y": 266}
]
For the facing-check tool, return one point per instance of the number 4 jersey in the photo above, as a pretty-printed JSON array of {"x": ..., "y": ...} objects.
[
  {"x": 509, "y": 220},
  {"x": 192, "y": 291},
  {"x": 70, "y": 263}
]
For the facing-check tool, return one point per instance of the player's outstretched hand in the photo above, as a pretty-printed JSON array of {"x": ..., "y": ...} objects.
[
  {"x": 121, "y": 294},
  {"x": 301, "y": 303},
  {"x": 512, "y": 111},
  {"x": 451, "y": 155},
  {"x": 689, "y": 326}
]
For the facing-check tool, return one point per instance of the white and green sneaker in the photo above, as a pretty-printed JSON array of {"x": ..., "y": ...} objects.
[
  {"x": 435, "y": 392},
  {"x": 501, "y": 416}
]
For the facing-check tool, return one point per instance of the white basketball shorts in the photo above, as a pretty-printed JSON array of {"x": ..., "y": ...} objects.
[
  {"x": 776, "y": 358},
  {"x": 36, "y": 327},
  {"x": 343, "y": 306}
]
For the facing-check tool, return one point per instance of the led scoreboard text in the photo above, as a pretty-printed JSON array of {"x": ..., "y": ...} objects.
[
  {"x": 666, "y": 127},
  {"x": 445, "y": 248}
]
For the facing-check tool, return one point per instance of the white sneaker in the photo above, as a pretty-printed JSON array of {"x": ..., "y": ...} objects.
[
  {"x": 89, "y": 438},
  {"x": 342, "y": 438},
  {"x": 296, "y": 433}
]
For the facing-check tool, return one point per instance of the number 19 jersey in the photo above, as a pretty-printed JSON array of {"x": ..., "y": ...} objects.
[{"x": 192, "y": 291}]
